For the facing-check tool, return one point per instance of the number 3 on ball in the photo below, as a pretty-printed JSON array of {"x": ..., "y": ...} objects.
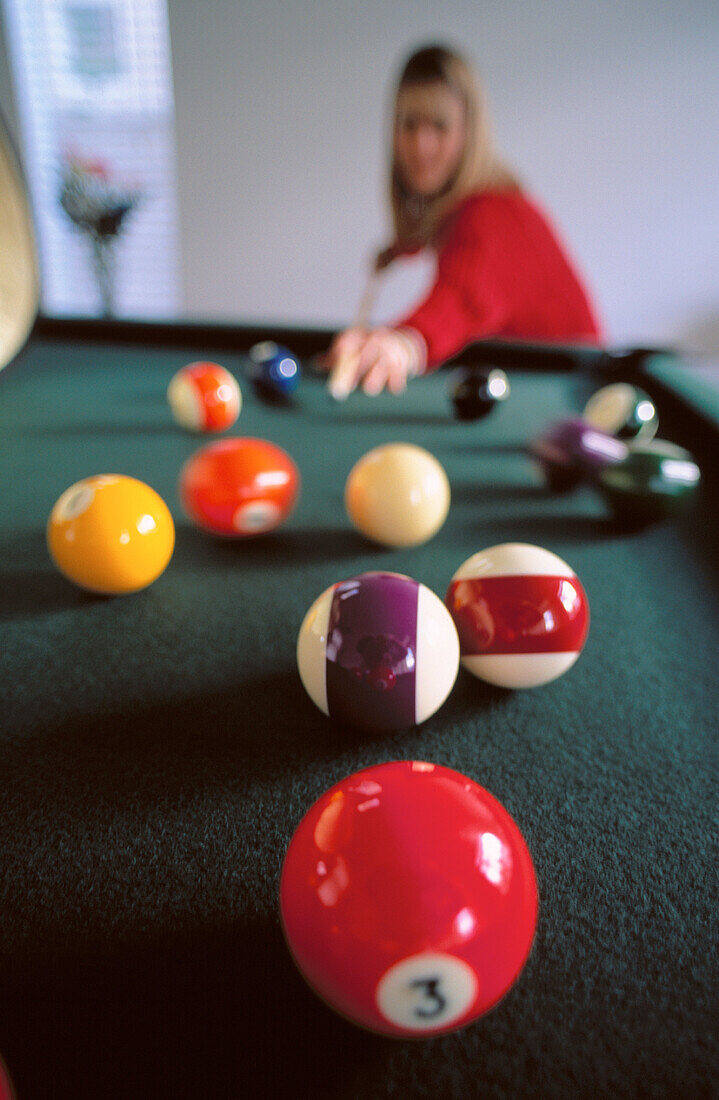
[{"x": 428, "y": 990}]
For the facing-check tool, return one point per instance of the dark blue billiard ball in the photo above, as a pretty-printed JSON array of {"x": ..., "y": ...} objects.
[{"x": 275, "y": 370}]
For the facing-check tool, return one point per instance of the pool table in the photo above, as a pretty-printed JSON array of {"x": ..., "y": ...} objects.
[{"x": 158, "y": 750}]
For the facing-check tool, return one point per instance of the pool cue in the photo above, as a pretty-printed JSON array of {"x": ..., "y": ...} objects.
[{"x": 342, "y": 376}]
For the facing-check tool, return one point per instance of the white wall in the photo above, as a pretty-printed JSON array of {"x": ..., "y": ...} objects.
[
  {"x": 7, "y": 96},
  {"x": 607, "y": 108}
]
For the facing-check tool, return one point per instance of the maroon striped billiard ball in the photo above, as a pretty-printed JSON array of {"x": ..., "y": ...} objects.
[
  {"x": 408, "y": 899},
  {"x": 378, "y": 651},
  {"x": 521, "y": 614}
]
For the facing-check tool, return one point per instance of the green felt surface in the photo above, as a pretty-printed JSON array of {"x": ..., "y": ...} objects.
[
  {"x": 695, "y": 380},
  {"x": 157, "y": 751}
]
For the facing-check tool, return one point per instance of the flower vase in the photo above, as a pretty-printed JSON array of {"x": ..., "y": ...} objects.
[{"x": 104, "y": 264}]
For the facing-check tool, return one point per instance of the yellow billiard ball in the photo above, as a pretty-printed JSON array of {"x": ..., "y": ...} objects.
[
  {"x": 110, "y": 534},
  {"x": 398, "y": 495}
]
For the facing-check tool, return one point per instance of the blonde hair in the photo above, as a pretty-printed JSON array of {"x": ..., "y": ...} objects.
[{"x": 418, "y": 221}]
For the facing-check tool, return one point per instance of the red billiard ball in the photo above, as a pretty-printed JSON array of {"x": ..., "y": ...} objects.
[
  {"x": 408, "y": 899},
  {"x": 6, "y": 1089},
  {"x": 521, "y": 613},
  {"x": 204, "y": 397},
  {"x": 239, "y": 487}
]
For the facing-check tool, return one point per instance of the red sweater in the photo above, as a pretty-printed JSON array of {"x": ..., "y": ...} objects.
[{"x": 501, "y": 273}]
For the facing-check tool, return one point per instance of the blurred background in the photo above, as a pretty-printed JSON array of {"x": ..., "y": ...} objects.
[{"x": 234, "y": 154}]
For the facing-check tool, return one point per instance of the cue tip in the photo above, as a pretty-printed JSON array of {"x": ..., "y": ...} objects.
[{"x": 342, "y": 378}]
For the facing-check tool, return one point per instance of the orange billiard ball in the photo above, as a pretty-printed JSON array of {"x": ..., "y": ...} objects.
[
  {"x": 204, "y": 397},
  {"x": 239, "y": 487},
  {"x": 111, "y": 534}
]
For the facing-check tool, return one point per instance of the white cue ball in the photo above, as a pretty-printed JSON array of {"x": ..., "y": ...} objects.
[{"x": 397, "y": 495}]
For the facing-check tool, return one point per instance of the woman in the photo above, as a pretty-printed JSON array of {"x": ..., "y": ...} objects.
[{"x": 501, "y": 271}]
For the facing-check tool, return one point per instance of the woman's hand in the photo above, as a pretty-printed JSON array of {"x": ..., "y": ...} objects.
[{"x": 375, "y": 359}]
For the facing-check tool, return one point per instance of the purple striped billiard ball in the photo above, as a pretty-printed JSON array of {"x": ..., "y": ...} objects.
[{"x": 378, "y": 651}]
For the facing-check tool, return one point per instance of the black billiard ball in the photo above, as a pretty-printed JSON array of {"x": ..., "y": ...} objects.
[
  {"x": 477, "y": 390},
  {"x": 654, "y": 481}
]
